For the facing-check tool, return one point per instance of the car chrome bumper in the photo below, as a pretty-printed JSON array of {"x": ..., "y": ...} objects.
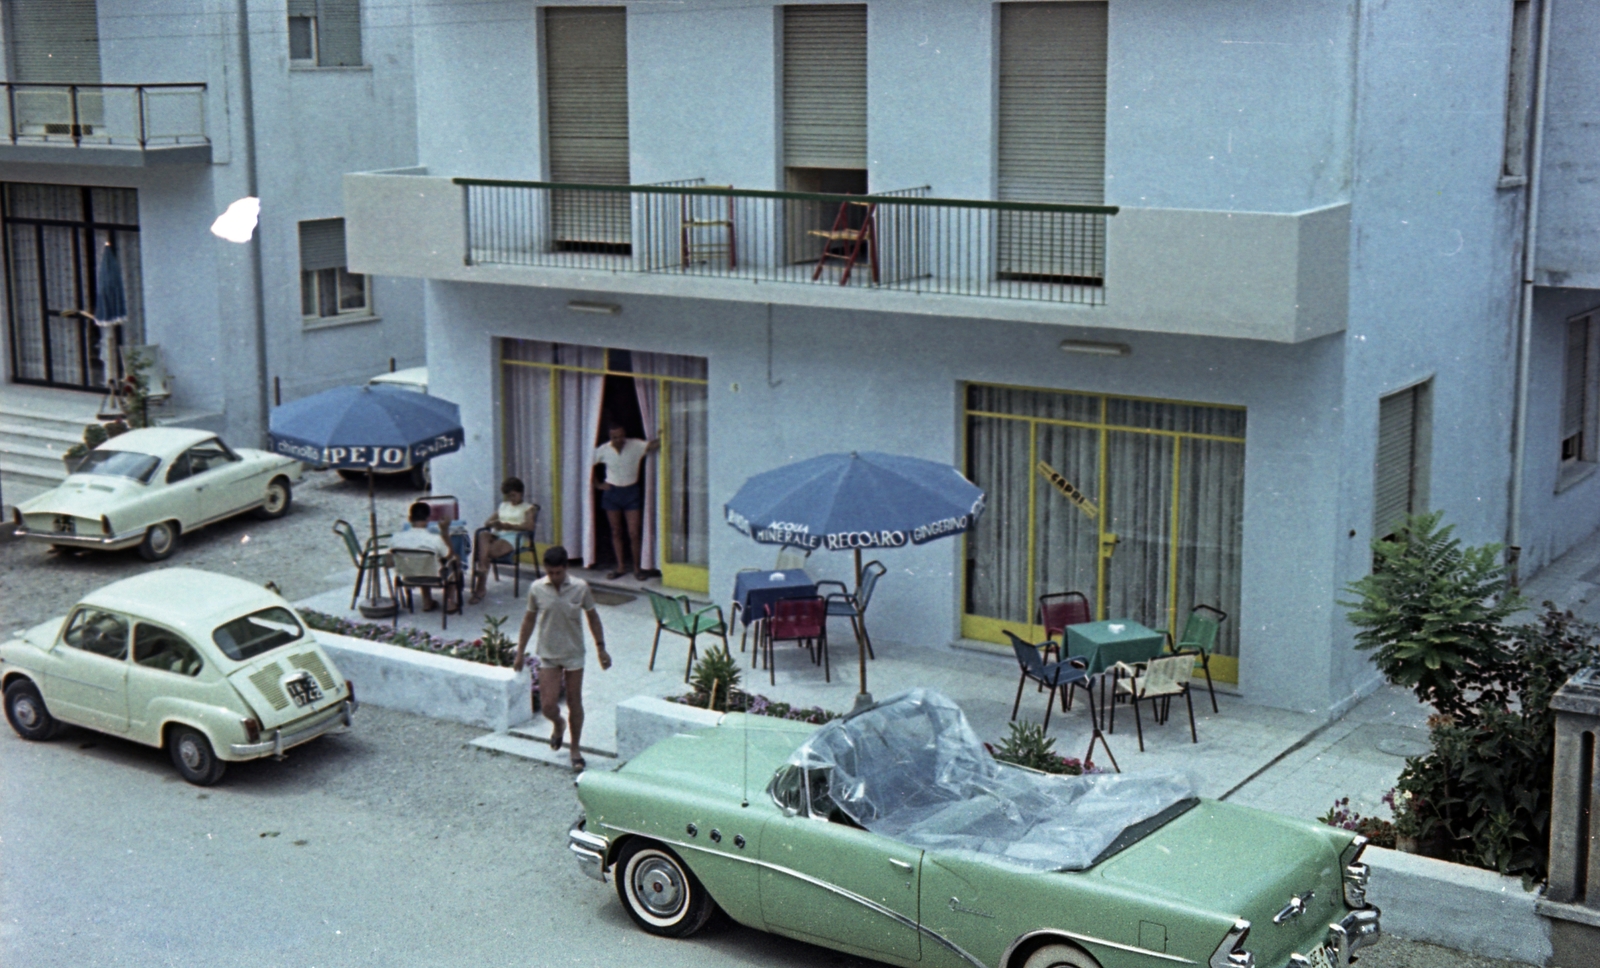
[
  {"x": 109, "y": 542},
  {"x": 1349, "y": 934},
  {"x": 330, "y": 718},
  {"x": 589, "y": 849}
]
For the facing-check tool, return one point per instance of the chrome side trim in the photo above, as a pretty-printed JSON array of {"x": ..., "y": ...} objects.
[
  {"x": 1088, "y": 939},
  {"x": 833, "y": 888},
  {"x": 1228, "y": 953}
]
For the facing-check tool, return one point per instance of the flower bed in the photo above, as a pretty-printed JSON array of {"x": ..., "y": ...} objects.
[
  {"x": 758, "y": 705},
  {"x": 493, "y": 648}
]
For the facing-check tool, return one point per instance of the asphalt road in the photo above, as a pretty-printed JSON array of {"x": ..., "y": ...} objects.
[{"x": 393, "y": 845}]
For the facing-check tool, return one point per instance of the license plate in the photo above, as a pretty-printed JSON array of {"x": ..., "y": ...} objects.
[
  {"x": 66, "y": 524},
  {"x": 303, "y": 690},
  {"x": 1319, "y": 957}
]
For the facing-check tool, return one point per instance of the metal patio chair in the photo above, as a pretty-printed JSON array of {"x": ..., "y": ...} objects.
[
  {"x": 418, "y": 568},
  {"x": 1200, "y": 637},
  {"x": 675, "y": 615},
  {"x": 1058, "y": 677},
  {"x": 853, "y": 605},
  {"x": 1157, "y": 681},
  {"x": 374, "y": 557},
  {"x": 801, "y": 620}
]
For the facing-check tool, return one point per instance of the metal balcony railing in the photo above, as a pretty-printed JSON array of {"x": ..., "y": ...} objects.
[
  {"x": 141, "y": 115},
  {"x": 901, "y": 240}
]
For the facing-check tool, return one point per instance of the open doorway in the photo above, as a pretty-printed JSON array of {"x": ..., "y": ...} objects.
[
  {"x": 619, "y": 405},
  {"x": 805, "y": 217}
]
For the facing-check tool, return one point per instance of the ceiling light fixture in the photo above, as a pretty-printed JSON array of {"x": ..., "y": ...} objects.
[
  {"x": 1095, "y": 349},
  {"x": 605, "y": 309}
]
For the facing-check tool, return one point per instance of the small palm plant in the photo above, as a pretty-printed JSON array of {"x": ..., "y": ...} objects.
[{"x": 714, "y": 678}]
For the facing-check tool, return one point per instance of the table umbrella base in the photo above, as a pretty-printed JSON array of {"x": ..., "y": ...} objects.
[
  {"x": 863, "y": 701},
  {"x": 378, "y": 608}
]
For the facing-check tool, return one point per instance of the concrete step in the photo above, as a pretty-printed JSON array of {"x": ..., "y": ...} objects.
[
  {"x": 17, "y": 485},
  {"x": 27, "y": 456},
  {"x": 522, "y": 742},
  {"x": 34, "y": 432},
  {"x": 60, "y": 421}
]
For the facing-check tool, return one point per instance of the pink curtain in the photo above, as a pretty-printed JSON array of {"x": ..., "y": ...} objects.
[{"x": 649, "y": 392}]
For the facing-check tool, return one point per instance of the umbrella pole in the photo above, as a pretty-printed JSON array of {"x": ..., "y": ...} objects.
[{"x": 863, "y": 698}]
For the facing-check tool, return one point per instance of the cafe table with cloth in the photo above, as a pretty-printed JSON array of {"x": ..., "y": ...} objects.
[
  {"x": 1104, "y": 644},
  {"x": 753, "y": 591}
]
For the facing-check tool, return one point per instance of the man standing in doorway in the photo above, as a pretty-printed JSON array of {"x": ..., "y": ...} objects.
[
  {"x": 622, "y": 493},
  {"x": 559, "y": 599}
]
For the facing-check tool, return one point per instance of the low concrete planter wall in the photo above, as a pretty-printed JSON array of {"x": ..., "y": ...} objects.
[
  {"x": 1472, "y": 910},
  {"x": 431, "y": 685},
  {"x": 643, "y": 720}
]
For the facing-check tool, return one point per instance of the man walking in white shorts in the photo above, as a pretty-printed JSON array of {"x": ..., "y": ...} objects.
[{"x": 558, "y": 599}]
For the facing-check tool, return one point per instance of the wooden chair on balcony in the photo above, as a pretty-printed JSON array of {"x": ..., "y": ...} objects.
[
  {"x": 705, "y": 229},
  {"x": 842, "y": 243}
]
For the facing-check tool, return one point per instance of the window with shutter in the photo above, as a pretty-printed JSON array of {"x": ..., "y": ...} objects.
[
  {"x": 1400, "y": 482},
  {"x": 328, "y": 289},
  {"x": 1578, "y": 392},
  {"x": 586, "y": 117},
  {"x": 1052, "y": 144},
  {"x": 54, "y": 43},
  {"x": 325, "y": 32},
  {"x": 825, "y": 86}
]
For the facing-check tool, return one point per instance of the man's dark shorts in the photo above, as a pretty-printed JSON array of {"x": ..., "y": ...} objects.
[{"x": 630, "y": 498}]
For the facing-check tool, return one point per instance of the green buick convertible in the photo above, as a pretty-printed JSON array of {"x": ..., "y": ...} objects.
[{"x": 892, "y": 834}]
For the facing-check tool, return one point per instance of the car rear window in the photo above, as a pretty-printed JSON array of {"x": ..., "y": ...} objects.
[
  {"x": 250, "y": 635},
  {"x": 120, "y": 463}
]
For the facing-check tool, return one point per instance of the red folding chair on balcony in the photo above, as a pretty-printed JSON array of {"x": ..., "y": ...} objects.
[{"x": 801, "y": 620}]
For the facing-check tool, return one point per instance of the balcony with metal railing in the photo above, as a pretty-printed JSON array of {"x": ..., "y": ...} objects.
[
  {"x": 1272, "y": 276},
  {"x": 900, "y": 241},
  {"x": 105, "y": 124}
]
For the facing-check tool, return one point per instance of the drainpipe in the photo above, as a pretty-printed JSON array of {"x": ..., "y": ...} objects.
[
  {"x": 258, "y": 307},
  {"x": 1530, "y": 229}
]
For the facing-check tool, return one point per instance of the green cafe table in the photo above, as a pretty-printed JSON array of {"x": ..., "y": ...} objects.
[{"x": 1104, "y": 644}]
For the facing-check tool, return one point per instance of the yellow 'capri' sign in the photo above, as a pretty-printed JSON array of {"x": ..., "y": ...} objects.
[{"x": 1071, "y": 493}]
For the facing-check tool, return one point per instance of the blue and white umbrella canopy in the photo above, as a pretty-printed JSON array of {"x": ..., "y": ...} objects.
[
  {"x": 366, "y": 428},
  {"x": 865, "y": 499}
]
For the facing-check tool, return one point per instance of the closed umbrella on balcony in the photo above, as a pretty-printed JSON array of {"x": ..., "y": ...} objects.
[{"x": 853, "y": 501}]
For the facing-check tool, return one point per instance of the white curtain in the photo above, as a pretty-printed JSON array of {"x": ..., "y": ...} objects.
[
  {"x": 649, "y": 393},
  {"x": 580, "y": 400},
  {"x": 529, "y": 447},
  {"x": 1002, "y": 455},
  {"x": 684, "y": 451}
]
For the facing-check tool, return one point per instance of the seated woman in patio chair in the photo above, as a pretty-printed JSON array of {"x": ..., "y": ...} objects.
[
  {"x": 494, "y": 540},
  {"x": 417, "y": 537}
]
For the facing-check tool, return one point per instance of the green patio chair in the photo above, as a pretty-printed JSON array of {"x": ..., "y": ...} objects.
[
  {"x": 675, "y": 615},
  {"x": 1200, "y": 636},
  {"x": 372, "y": 557}
]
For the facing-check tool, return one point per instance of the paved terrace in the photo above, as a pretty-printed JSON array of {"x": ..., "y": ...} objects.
[{"x": 1289, "y": 762}]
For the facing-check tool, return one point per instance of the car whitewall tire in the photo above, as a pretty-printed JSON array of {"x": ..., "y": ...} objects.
[{"x": 660, "y": 893}]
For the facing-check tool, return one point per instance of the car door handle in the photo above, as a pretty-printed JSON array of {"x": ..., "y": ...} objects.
[{"x": 900, "y": 865}]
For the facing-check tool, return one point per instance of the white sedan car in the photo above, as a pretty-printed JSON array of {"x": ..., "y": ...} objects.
[
  {"x": 211, "y": 668},
  {"x": 147, "y": 487}
]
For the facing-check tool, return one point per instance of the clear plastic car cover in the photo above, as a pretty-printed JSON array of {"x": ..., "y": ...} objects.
[{"x": 910, "y": 768}]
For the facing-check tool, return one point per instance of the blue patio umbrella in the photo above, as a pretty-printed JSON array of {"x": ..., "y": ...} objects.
[
  {"x": 853, "y": 501},
  {"x": 371, "y": 428}
]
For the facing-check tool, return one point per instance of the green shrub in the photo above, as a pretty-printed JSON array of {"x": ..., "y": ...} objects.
[
  {"x": 1027, "y": 745},
  {"x": 714, "y": 678},
  {"x": 1434, "y": 614}
]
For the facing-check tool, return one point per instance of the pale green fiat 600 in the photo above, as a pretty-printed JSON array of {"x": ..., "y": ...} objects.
[
  {"x": 892, "y": 834},
  {"x": 211, "y": 668}
]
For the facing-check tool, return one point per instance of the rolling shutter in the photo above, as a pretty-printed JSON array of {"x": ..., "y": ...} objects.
[
  {"x": 1052, "y": 135},
  {"x": 825, "y": 86},
  {"x": 339, "y": 33},
  {"x": 322, "y": 244},
  {"x": 54, "y": 42},
  {"x": 586, "y": 85},
  {"x": 1396, "y": 472},
  {"x": 586, "y": 100}
]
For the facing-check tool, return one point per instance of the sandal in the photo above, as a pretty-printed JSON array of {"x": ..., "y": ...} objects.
[
  {"x": 430, "y": 606},
  {"x": 579, "y": 764},
  {"x": 475, "y": 598},
  {"x": 556, "y": 735},
  {"x": 616, "y": 574}
]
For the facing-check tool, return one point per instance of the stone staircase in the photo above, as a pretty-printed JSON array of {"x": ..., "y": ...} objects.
[{"x": 36, "y": 428}]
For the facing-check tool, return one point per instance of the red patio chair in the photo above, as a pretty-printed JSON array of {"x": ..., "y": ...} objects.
[{"x": 802, "y": 620}]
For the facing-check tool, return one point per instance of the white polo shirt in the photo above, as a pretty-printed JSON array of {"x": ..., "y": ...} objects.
[{"x": 622, "y": 466}]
